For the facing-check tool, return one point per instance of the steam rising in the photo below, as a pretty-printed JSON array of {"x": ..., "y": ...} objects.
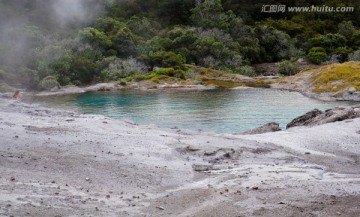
[
  {"x": 25, "y": 25},
  {"x": 68, "y": 10}
]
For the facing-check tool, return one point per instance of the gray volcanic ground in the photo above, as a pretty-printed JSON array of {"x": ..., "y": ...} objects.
[{"x": 60, "y": 163}]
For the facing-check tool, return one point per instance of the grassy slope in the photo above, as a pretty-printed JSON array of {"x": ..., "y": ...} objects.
[{"x": 336, "y": 77}]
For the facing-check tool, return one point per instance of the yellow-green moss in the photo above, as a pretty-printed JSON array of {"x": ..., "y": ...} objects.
[
  {"x": 261, "y": 83},
  {"x": 336, "y": 77}
]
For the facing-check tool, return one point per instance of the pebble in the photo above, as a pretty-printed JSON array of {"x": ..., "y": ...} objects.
[
  {"x": 87, "y": 179},
  {"x": 160, "y": 207}
]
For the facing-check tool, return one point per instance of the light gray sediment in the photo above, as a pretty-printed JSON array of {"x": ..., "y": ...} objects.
[{"x": 61, "y": 163}]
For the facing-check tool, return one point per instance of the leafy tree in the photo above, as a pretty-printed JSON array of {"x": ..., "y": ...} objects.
[
  {"x": 276, "y": 44},
  {"x": 210, "y": 14},
  {"x": 347, "y": 29},
  {"x": 125, "y": 42},
  {"x": 96, "y": 38},
  {"x": 329, "y": 41}
]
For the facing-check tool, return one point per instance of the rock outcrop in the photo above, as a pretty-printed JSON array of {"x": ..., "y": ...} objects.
[
  {"x": 266, "y": 128},
  {"x": 317, "y": 117}
]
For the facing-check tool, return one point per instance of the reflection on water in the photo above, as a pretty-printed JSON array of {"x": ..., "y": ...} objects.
[{"x": 220, "y": 110}]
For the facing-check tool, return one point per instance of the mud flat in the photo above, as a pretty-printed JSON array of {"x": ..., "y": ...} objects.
[{"x": 61, "y": 163}]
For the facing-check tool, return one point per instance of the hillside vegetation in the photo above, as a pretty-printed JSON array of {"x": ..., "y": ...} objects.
[{"x": 79, "y": 42}]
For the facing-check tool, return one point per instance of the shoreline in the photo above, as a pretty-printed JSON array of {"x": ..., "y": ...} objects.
[
  {"x": 113, "y": 87},
  {"x": 58, "y": 162}
]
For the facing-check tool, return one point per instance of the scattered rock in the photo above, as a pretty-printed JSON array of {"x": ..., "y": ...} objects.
[
  {"x": 351, "y": 90},
  {"x": 266, "y": 128},
  {"x": 202, "y": 168},
  {"x": 191, "y": 148},
  {"x": 12, "y": 178},
  {"x": 307, "y": 153},
  {"x": 87, "y": 179},
  {"x": 160, "y": 208},
  {"x": 255, "y": 188}
]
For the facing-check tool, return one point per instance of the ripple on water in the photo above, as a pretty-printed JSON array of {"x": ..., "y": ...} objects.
[{"x": 220, "y": 110}]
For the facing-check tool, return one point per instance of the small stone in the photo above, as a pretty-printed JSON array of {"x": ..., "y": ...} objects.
[
  {"x": 338, "y": 213},
  {"x": 13, "y": 178},
  {"x": 307, "y": 153},
  {"x": 160, "y": 208},
  {"x": 53, "y": 182},
  {"x": 87, "y": 179},
  {"x": 96, "y": 209},
  {"x": 16, "y": 136},
  {"x": 255, "y": 188},
  {"x": 108, "y": 196},
  {"x": 351, "y": 90}
]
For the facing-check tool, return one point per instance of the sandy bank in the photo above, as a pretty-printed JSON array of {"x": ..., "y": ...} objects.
[{"x": 60, "y": 163}]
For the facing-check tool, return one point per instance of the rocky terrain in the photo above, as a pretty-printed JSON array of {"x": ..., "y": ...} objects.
[{"x": 60, "y": 163}]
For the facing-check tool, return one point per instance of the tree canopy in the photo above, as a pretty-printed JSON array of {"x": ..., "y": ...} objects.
[{"x": 79, "y": 42}]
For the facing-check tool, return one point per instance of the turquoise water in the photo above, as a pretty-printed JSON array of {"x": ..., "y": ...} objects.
[{"x": 220, "y": 110}]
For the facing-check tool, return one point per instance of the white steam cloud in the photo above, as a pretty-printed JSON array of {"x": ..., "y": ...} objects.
[{"x": 68, "y": 11}]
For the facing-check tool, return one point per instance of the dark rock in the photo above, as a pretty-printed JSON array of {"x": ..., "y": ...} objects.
[
  {"x": 269, "y": 127},
  {"x": 316, "y": 117},
  {"x": 303, "y": 120}
]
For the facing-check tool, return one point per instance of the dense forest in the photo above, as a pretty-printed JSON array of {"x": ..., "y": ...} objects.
[{"x": 63, "y": 42}]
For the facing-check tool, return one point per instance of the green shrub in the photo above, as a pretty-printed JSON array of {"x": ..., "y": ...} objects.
[
  {"x": 342, "y": 53},
  {"x": 164, "y": 59},
  {"x": 165, "y": 71},
  {"x": 156, "y": 79},
  {"x": 48, "y": 83},
  {"x": 247, "y": 71},
  {"x": 317, "y": 55},
  {"x": 355, "y": 56},
  {"x": 287, "y": 68},
  {"x": 180, "y": 74},
  {"x": 123, "y": 82},
  {"x": 317, "y": 49},
  {"x": 4, "y": 87}
]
